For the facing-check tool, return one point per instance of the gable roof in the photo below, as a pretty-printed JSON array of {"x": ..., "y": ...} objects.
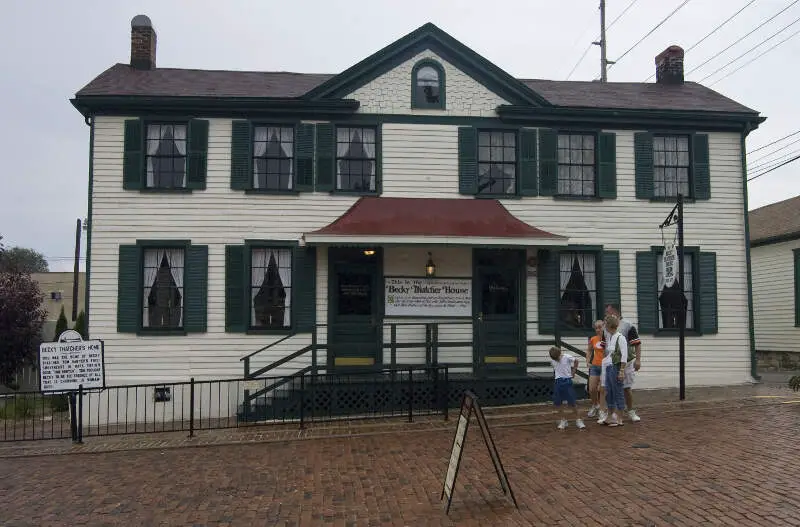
[{"x": 776, "y": 222}]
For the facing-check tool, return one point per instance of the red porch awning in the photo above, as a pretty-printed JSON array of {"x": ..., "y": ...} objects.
[{"x": 373, "y": 220}]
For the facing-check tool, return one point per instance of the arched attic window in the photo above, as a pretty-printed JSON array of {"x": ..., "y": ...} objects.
[{"x": 427, "y": 85}]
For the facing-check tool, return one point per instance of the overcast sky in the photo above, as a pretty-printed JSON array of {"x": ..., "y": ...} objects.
[{"x": 52, "y": 49}]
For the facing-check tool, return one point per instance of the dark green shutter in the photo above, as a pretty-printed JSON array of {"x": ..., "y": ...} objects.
[
  {"x": 548, "y": 162},
  {"x": 707, "y": 293},
  {"x": 467, "y": 160},
  {"x": 235, "y": 288},
  {"x": 528, "y": 177},
  {"x": 643, "y": 160},
  {"x": 326, "y": 157},
  {"x": 133, "y": 158},
  {"x": 241, "y": 160},
  {"x": 197, "y": 154},
  {"x": 607, "y": 165},
  {"x": 701, "y": 174},
  {"x": 129, "y": 315},
  {"x": 304, "y": 148},
  {"x": 547, "y": 279},
  {"x": 646, "y": 291},
  {"x": 610, "y": 279},
  {"x": 796, "y": 287},
  {"x": 195, "y": 286},
  {"x": 304, "y": 283}
]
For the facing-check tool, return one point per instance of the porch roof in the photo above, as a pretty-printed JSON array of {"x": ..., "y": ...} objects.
[{"x": 373, "y": 220}]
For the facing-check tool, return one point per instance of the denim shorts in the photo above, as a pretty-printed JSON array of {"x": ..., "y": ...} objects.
[
  {"x": 563, "y": 391},
  {"x": 595, "y": 371}
]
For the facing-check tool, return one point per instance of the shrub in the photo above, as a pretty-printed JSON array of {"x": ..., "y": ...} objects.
[
  {"x": 61, "y": 324},
  {"x": 794, "y": 383},
  {"x": 59, "y": 403},
  {"x": 17, "y": 407}
]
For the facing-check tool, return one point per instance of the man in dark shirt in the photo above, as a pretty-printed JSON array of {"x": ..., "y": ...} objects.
[{"x": 628, "y": 330}]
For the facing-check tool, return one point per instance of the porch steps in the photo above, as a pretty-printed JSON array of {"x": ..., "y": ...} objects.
[{"x": 384, "y": 395}]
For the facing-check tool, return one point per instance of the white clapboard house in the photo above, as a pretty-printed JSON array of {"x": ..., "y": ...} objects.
[
  {"x": 421, "y": 207},
  {"x": 775, "y": 243}
]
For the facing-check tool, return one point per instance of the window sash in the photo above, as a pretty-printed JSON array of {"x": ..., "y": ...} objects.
[
  {"x": 497, "y": 162},
  {"x": 581, "y": 317},
  {"x": 671, "y": 165},
  {"x": 356, "y": 173},
  {"x": 163, "y": 292},
  {"x": 273, "y": 157},
  {"x": 166, "y": 169},
  {"x": 268, "y": 309},
  {"x": 688, "y": 291},
  {"x": 577, "y": 164}
]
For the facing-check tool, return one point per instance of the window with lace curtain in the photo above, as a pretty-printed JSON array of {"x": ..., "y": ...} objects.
[
  {"x": 577, "y": 290},
  {"x": 270, "y": 288},
  {"x": 273, "y": 155},
  {"x": 166, "y": 155},
  {"x": 355, "y": 159},
  {"x": 163, "y": 295}
]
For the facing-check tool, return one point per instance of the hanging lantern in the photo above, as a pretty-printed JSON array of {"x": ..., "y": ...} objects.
[{"x": 430, "y": 267}]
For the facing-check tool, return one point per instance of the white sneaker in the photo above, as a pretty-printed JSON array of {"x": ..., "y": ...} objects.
[
  {"x": 579, "y": 424},
  {"x": 633, "y": 417},
  {"x": 613, "y": 421},
  {"x": 562, "y": 425},
  {"x": 603, "y": 417},
  {"x": 592, "y": 412}
]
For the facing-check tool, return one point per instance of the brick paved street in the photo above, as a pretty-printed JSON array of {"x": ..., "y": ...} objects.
[{"x": 722, "y": 464}]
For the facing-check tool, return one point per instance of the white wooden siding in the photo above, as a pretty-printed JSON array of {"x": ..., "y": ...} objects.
[
  {"x": 419, "y": 160},
  {"x": 773, "y": 297},
  {"x": 391, "y": 92}
]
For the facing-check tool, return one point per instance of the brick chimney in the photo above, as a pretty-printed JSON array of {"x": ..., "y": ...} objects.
[
  {"x": 669, "y": 66},
  {"x": 143, "y": 43}
]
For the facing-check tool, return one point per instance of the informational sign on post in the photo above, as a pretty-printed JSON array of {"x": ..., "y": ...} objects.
[
  {"x": 70, "y": 363},
  {"x": 670, "y": 265},
  {"x": 470, "y": 406}
]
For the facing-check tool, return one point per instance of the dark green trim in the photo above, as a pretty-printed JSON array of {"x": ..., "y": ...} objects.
[
  {"x": 89, "y": 226},
  {"x": 581, "y": 131},
  {"x": 633, "y": 118},
  {"x": 775, "y": 239},
  {"x": 750, "y": 317},
  {"x": 378, "y": 161},
  {"x": 428, "y": 37},
  {"x": 796, "y": 287},
  {"x": 210, "y": 106},
  {"x": 442, "y": 104},
  {"x": 694, "y": 250}
]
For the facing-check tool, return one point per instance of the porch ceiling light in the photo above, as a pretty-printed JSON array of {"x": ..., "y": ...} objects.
[
  {"x": 430, "y": 267},
  {"x": 369, "y": 252}
]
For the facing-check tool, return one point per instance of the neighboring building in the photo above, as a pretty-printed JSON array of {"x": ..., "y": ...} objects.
[
  {"x": 775, "y": 253},
  {"x": 230, "y": 209},
  {"x": 57, "y": 290}
]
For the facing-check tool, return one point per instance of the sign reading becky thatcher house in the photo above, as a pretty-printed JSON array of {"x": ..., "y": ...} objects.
[
  {"x": 428, "y": 297},
  {"x": 237, "y": 211}
]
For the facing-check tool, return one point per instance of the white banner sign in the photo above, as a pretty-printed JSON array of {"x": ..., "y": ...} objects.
[
  {"x": 63, "y": 366},
  {"x": 670, "y": 265},
  {"x": 428, "y": 297}
]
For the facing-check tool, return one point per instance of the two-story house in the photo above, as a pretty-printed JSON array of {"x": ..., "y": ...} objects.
[{"x": 421, "y": 206}]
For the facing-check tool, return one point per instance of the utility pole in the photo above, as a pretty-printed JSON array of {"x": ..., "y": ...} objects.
[
  {"x": 604, "y": 62},
  {"x": 76, "y": 269}
]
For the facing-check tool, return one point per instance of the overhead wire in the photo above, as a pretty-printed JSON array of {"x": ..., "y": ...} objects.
[
  {"x": 720, "y": 26},
  {"x": 781, "y": 30},
  {"x": 758, "y": 159},
  {"x": 651, "y": 32},
  {"x": 755, "y": 58},
  {"x": 741, "y": 38},
  {"x": 792, "y": 160},
  {"x": 772, "y": 162},
  {"x": 773, "y": 142}
]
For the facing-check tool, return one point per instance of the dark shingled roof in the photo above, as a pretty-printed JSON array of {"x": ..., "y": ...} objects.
[
  {"x": 776, "y": 220},
  {"x": 638, "y": 95},
  {"x": 121, "y": 79}
]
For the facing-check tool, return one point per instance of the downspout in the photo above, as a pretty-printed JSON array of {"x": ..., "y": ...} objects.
[
  {"x": 89, "y": 120},
  {"x": 750, "y": 318}
]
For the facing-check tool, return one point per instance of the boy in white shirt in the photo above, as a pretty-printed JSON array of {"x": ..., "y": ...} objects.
[{"x": 564, "y": 367}]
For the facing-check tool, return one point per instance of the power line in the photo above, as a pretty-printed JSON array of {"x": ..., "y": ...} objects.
[
  {"x": 653, "y": 30},
  {"x": 755, "y": 58},
  {"x": 742, "y": 38},
  {"x": 720, "y": 26},
  {"x": 772, "y": 162},
  {"x": 792, "y": 160},
  {"x": 773, "y": 142},
  {"x": 781, "y": 30},
  {"x": 775, "y": 151},
  {"x": 589, "y": 47}
]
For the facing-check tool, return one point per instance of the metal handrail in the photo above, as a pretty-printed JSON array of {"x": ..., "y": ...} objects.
[{"x": 268, "y": 346}]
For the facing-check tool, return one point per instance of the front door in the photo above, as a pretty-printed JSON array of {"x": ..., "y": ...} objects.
[
  {"x": 499, "y": 329},
  {"x": 354, "y": 295}
]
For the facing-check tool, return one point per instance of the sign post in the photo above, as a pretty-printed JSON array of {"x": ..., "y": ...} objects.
[
  {"x": 676, "y": 218},
  {"x": 470, "y": 406}
]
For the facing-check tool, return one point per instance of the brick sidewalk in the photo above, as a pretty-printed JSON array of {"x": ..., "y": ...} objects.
[{"x": 727, "y": 462}]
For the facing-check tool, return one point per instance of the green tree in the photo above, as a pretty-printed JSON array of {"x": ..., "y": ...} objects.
[
  {"x": 61, "y": 324},
  {"x": 80, "y": 325},
  {"x": 794, "y": 383},
  {"x": 22, "y": 316},
  {"x": 22, "y": 260}
]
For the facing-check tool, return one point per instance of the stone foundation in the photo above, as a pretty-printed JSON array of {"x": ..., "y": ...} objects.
[{"x": 778, "y": 360}]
